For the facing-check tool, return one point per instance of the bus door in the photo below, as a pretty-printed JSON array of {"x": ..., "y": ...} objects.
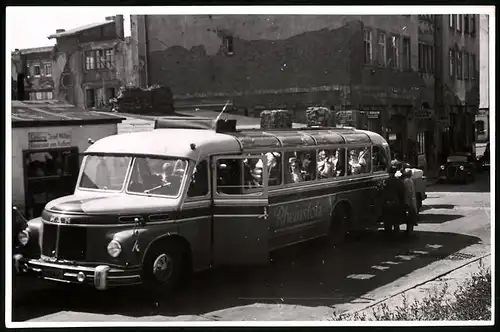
[{"x": 240, "y": 225}]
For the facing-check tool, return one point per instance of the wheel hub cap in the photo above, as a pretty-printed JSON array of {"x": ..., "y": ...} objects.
[{"x": 162, "y": 267}]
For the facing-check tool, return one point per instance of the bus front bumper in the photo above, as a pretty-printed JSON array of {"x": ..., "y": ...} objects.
[{"x": 100, "y": 277}]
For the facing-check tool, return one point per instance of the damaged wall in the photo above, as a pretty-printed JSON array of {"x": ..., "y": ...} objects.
[
  {"x": 70, "y": 76},
  {"x": 276, "y": 60},
  {"x": 272, "y": 56}
]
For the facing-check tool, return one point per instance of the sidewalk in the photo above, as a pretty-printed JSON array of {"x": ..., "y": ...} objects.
[{"x": 451, "y": 280}]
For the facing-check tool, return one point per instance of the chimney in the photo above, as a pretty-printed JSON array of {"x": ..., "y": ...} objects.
[
  {"x": 120, "y": 32},
  {"x": 60, "y": 30}
]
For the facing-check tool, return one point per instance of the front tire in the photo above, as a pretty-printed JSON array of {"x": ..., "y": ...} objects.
[{"x": 163, "y": 268}]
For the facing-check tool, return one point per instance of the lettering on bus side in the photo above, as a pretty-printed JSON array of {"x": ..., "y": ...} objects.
[{"x": 295, "y": 213}]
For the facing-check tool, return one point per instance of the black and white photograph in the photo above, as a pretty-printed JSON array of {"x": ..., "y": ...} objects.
[{"x": 249, "y": 166}]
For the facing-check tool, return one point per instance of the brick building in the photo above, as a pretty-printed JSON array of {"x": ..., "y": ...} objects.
[
  {"x": 32, "y": 67},
  {"x": 91, "y": 62},
  {"x": 382, "y": 66}
]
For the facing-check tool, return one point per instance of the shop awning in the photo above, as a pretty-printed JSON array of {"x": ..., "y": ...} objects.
[{"x": 49, "y": 113}]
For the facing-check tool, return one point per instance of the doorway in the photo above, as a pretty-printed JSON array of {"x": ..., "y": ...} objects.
[{"x": 48, "y": 174}]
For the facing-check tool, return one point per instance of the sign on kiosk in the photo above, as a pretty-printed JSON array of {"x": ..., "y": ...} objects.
[{"x": 45, "y": 140}]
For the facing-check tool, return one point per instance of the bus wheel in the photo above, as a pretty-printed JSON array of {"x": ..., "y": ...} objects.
[
  {"x": 163, "y": 267},
  {"x": 341, "y": 221}
]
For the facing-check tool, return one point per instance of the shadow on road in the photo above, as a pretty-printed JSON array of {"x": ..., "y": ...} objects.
[
  {"x": 312, "y": 274},
  {"x": 437, "y": 206},
  {"x": 436, "y": 218}
]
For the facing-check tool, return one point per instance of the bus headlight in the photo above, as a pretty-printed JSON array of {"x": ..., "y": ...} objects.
[
  {"x": 442, "y": 167},
  {"x": 461, "y": 168},
  {"x": 23, "y": 237},
  {"x": 114, "y": 248}
]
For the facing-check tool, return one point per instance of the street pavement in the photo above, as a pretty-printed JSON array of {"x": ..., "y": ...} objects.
[{"x": 311, "y": 281}]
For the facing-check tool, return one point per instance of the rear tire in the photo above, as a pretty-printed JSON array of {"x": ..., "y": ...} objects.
[{"x": 341, "y": 221}]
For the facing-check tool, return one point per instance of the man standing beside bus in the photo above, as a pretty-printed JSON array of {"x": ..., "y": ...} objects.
[{"x": 393, "y": 193}]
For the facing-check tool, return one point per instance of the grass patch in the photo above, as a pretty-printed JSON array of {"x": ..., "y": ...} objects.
[{"x": 470, "y": 301}]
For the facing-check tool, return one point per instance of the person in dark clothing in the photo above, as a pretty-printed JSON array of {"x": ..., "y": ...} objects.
[{"x": 394, "y": 200}]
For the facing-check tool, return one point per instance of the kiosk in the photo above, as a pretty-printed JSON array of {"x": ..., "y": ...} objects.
[{"x": 47, "y": 137}]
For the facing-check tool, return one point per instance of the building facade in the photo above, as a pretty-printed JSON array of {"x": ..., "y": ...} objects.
[
  {"x": 458, "y": 47},
  {"x": 483, "y": 116},
  {"x": 91, "y": 63},
  {"x": 33, "y": 69},
  {"x": 386, "y": 68}
]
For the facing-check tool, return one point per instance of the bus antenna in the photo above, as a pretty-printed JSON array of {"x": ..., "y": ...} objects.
[{"x": 218, "y": 116}]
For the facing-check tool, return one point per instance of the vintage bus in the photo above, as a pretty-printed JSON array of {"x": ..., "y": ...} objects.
[{"x": 150, "y": 207}]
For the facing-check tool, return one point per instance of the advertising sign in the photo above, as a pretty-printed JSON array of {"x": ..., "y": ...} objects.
[{"x": 45, "y": 140}]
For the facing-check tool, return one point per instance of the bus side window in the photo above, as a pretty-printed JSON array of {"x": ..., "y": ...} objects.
[
  {"x": 300, "y": 166},
  {"x": 331, "y": 163},
  {"x": 359, "y": 161},
  {"x": 199, "y": 181},
  {"x": 380, "y": 160}
]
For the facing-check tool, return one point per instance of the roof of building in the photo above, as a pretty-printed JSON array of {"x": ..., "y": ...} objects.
[
  {"x": 43, "y": 49},
  {"x": 51, "y": 113},
  {"x": 168, "y": 142},
  {"x": 78, "y": 30}
]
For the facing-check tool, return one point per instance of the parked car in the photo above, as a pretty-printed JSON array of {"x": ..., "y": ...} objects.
[
  {"x": 459, "y": 168},
  {"x": 483, "y": 161}
]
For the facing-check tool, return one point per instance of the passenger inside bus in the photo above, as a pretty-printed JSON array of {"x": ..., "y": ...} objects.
[
  {"x": 229, "y": 176},
  {"x": 294, "y": 174},
  {"x": 364, "y": 161},
  {"x": 325, "y": 166},
  {"x": 308, "y": 167},
  {"x": 167, "y": 171},
  {"x": 253, "y": 173},
  {"x": 274, "y": 171}
]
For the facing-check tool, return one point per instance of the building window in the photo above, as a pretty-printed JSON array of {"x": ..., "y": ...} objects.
[
  {"x": 395, "y": 52},
  {"x": 49, "y": 95},
  {"x": 89, "y": 60},
  {"x": 382, "y": 49},
  {"x": 472, "y": 60},
  {"x": 38, "y": 95},
  {"x": 420, "y": 57},
  {"x": 452, "y": 21},
  {"x": 459, "y": 65},
  {"x": 472, "y": 25},
  {"x": 368, "y": 46},
  {"x": 110, "y": 58},
  {"x": 229, "y": 45},
  {"x": 36, "y": 70},
  {"x": 406, "y": 54},
  {"x": 48, "y": 69},
  {"x": 459, "y": 22},
  {"x": 100, "y": 59},
  {"x": 421, "y": 142},
  {"x": 466, "y": 66},
  {"x": 466, "y": 24},
  {"x": 452, "y": 63}
]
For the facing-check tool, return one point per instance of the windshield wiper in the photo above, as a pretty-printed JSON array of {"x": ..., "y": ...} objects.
[{"x": 147, "y": 191}]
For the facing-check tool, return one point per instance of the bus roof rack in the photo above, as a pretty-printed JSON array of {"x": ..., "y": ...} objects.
[{"x": 191, "y": 122}]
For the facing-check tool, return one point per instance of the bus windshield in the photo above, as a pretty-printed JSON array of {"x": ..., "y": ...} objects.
[
  {"x": 104, "y": 172},
  {"x": 158, "y": 176},
  {"x": 155, "y": 176}
]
